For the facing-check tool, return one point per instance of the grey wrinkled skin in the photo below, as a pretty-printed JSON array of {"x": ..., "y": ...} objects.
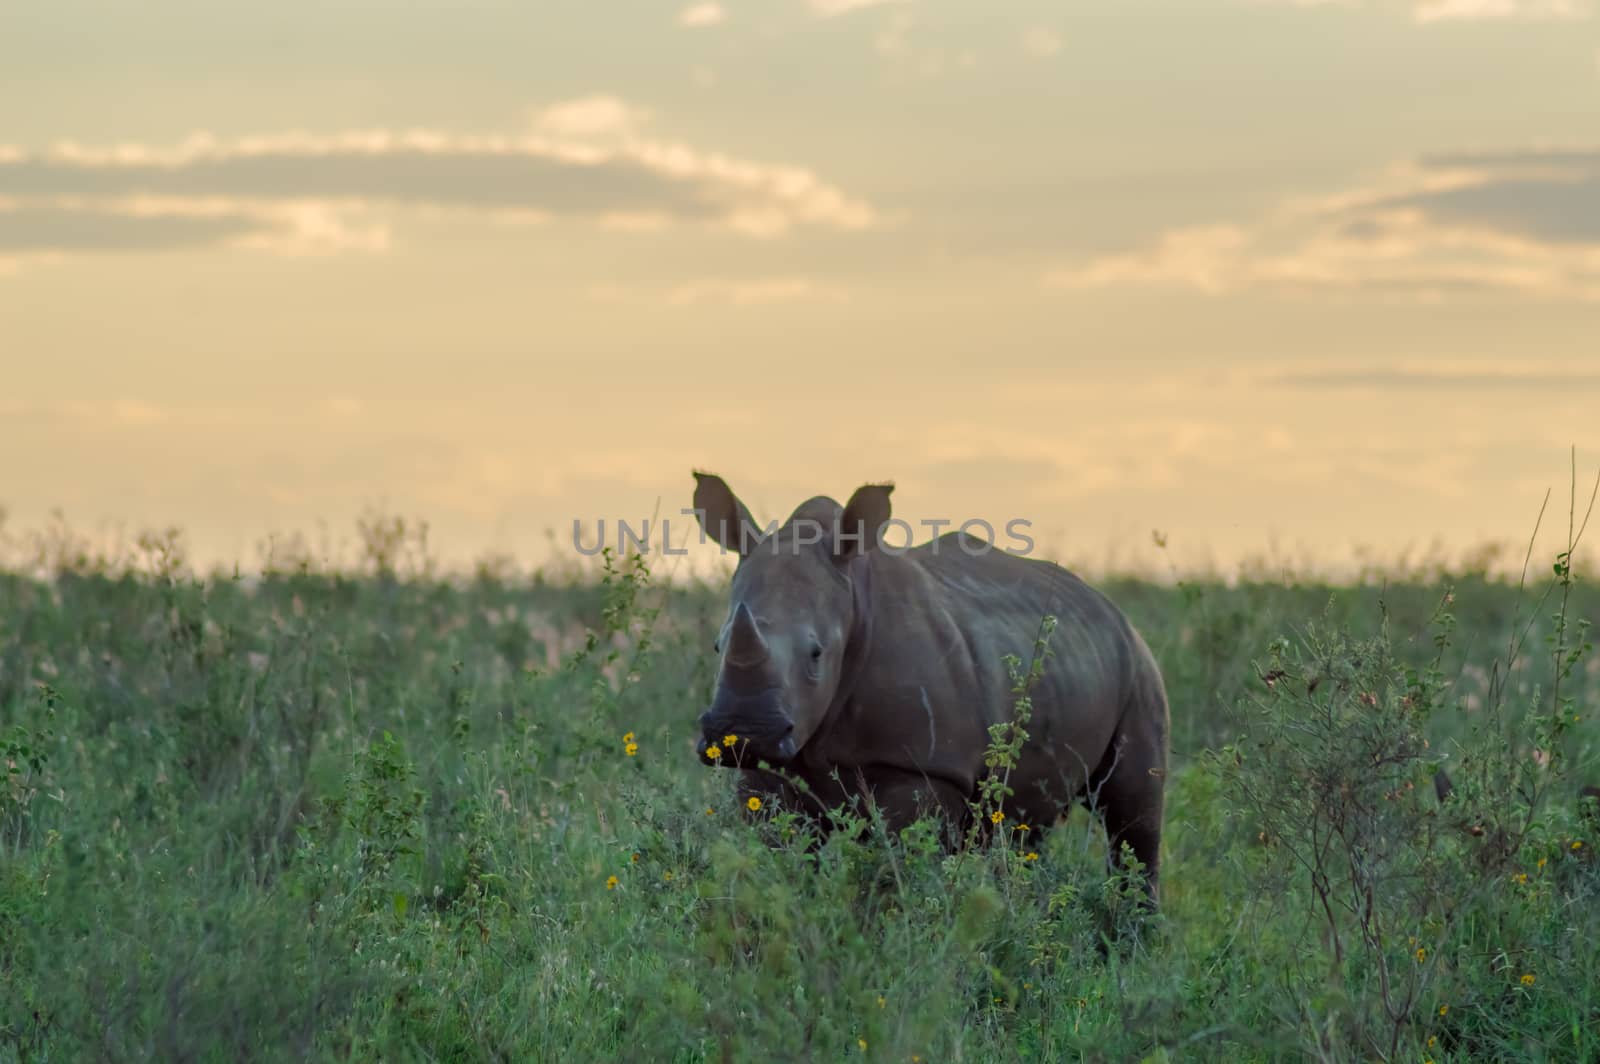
[{"x": 870, "y": 673}]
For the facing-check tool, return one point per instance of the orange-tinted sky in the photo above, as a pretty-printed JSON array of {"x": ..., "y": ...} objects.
[{"x": 1249, "y": 272}]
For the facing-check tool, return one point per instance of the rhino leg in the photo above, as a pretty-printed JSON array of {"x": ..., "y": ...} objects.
[
  {"x": 776, "y": 792},
  {"x": 905, "y": 797},
  {"x": 1129, "y": 792},
  {"x": 901, "y": 797},
  {"x": 812, "y": 799}
]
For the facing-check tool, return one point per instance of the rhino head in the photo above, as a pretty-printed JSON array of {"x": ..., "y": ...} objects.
[{"x": 792, "y": 612}]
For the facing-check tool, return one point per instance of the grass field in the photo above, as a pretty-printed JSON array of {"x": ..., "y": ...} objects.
[{"x": 381, "y": 815}]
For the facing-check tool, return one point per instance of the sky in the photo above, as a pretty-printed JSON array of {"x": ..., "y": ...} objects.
[{"x": 1250, "y": 278}]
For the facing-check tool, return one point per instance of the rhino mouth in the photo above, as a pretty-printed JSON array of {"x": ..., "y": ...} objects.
[
  {"x": 741, "y": 729},
  {"x": 746, "y": 750}
]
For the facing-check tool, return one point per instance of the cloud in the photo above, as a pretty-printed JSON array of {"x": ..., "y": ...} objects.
[
  {"x": 70, "y": 225},
  {"x": 1425, "y": 11},
  {"x": 896, "y": 45},
  {"x": 1432, "y": 379},
  {"x": 1041, "y": 42},
  {"x": 1520, "y": 222},
  {"x": 49, "y": 228},
  {"x": 584, "y": 160},
  {"x": 121, "y": 412},
  {"x": 737, "y": 292},
  {"x": 835, "y": 8},
  {"x": 698, "y": 16},
  {"x": 590, "y": 116},
  {"x": 747, "y": 292}
]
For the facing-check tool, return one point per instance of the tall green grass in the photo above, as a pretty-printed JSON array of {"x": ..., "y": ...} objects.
[{"x": 389, "y": 816}]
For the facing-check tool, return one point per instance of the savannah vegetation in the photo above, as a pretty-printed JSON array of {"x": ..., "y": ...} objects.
[{"x": 374, "y": 813}]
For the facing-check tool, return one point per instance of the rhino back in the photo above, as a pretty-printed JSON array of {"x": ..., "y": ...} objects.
[{"x": 935, "y": 679}]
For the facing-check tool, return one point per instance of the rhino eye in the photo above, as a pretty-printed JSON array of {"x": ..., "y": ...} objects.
[{"x": 816, "y": 652}]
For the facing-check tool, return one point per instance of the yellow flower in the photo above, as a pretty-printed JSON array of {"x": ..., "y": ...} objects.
[
  {"x": 1444, "y": 1010},
  {"x": 1422, "y": 954},
  {"x": 1527, "y": 978},
  {"x": 611, "y": 883},
  {"x": 729, "y": 740},
  {"x": 667, "y": 875},
  {"x": 631, "y": 749},
  {"x": 713, "y": 752},
  {"x": 1541, "y": 862},
  {"x": 881, "y": 1002},
  {"x": 862, "y": 1042},
  {"x": 628, "y": 738},
  {"x": 1520, "y": 877},
  {"x": 1030, "y": 856},
  {"x": 1432, "y": 1041},
  {"x": 996, "y": 816},
  {"x": 1020, "y": 827},
  {"x": 634, "y": 858},
  {"x": 754, "y": 804},
  {"x": 1577, "y": 844},
  {"x": 710, "y": 811}
]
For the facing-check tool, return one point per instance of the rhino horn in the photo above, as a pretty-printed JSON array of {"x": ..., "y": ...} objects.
[{"x": 745, "y": 645}]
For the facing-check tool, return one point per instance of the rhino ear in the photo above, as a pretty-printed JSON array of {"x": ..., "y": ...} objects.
[
  {"x": 862, "y": 520},
  {"x": 720, "y": 513}
]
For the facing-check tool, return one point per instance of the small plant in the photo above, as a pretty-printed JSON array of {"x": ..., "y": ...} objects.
[
  {"x": 389, "y": 540},
  {"x": 1331, "y": 782},
  {"x": 381, "y": 809},
  {"x": 24, "y": 752},
  {"x": 1008, "y": 737}
]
